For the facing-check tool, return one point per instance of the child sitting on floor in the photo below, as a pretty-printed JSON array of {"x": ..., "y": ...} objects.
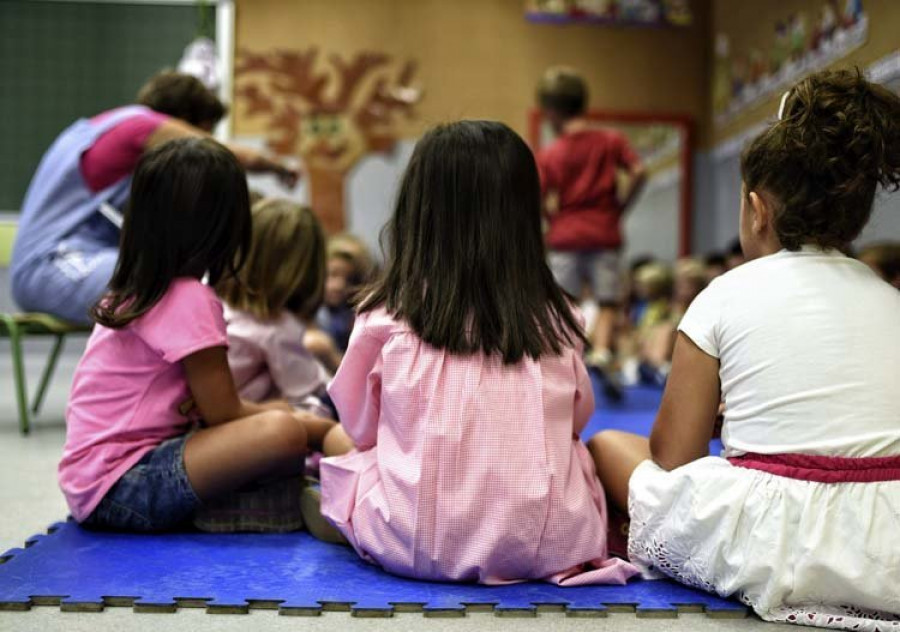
[
  {"x": 156, "y": 361},
  {"x": 464, "y": 388},
  {"x": 348, "y": 266},
  {"x": 658, "y": 342},
  {"x": 803, "y": 343},
  {"x": 280, "y": 287}
]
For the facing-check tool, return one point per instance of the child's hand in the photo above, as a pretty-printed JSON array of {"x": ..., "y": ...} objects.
[{"x": 316, "y": 428}]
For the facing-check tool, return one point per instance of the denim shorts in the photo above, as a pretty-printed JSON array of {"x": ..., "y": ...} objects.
[{"x": 154, "y": 495}]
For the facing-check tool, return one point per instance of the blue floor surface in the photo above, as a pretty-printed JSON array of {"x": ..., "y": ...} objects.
[
  {"x": 83, "y": 570},
  {"x": 634, "y": 414}
]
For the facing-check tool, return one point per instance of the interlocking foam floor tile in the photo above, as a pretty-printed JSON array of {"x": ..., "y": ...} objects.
[{"x": 85, "y": 571}]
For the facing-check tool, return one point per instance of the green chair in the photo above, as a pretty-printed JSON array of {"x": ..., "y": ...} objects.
[{"x": 17, "y": 327}]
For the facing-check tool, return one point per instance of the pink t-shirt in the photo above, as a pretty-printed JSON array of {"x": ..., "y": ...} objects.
[
  {"x": 115, "y": 154},
  {"x": 128, "y": 388},
  {"x": 468, "y": 469},
  {"x": 269, "y": 360}
]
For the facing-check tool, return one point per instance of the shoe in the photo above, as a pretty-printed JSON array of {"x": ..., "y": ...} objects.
[
  {"x": 317, "y": 525},
  {"x": 652, "y": 376},
  {"x": 268, "y": 508}
]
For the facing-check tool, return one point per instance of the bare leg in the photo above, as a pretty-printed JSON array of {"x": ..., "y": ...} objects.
[
  {"x": 616, "y": 456},
  {"x": 317, "y": 428},
  {"x": 337, "y": 442},
  {"x": 604, "y": 326},
  {"x": 229, "y": 456}
]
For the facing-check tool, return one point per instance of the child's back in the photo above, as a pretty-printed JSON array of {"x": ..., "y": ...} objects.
[
  {"x": 470, "y": 469},
  {"x": 582, "y": 167},
  {"x": 809, "y": 353},
  {"x": 269, "y": 361}
]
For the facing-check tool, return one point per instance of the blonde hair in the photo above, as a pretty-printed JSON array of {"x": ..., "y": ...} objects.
[
  {"x": 691, "y": 269},
  {"x": 655, "y": 277},
  {"x": 352, "y": 248},
  {"x": 285, "y": 267}
]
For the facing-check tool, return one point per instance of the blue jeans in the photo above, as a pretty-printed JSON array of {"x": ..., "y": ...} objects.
[
  {"x": 68, "y": 281},
  {"x": 154, "y": 495}
]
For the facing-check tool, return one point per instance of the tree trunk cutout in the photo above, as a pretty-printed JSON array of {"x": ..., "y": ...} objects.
[{"x": 331, "y": 129}]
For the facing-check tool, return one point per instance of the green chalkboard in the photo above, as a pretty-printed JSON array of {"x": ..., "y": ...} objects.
[{"x": 60, "y": 61}]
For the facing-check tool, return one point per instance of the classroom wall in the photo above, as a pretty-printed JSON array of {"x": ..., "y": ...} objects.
[
  {"x": 482, "y": 59},
  {"x": 750, "y": 24},
  {"x": 717, "y": 165}
]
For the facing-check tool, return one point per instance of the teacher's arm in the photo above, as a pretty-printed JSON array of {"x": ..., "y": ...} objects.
[{"x": 252, "y": 160}]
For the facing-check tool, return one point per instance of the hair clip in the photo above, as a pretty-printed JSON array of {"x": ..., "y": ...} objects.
[{"x": 784, "y": 98}]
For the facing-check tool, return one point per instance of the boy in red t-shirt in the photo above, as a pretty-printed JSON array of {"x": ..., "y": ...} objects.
[{"x": 584, "y": 203}]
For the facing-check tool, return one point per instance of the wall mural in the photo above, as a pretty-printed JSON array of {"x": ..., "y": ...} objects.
[
  {"x": 330, "y": 114},
  {"x": 800, "y": 46}
]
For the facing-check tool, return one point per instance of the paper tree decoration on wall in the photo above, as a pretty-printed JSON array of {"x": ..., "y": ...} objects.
[{"x": 331, "y": 116}]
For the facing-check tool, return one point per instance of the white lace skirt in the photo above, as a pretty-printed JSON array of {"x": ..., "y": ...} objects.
[{"x": 795, "y": 551}]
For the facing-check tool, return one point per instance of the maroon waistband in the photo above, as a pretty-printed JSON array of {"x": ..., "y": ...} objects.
[{"x": 823, "y": 469}]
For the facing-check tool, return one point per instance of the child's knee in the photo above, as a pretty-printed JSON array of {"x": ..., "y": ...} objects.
[
  {"x": 283, "y": 433},
  {"x": 605, "y": 441},
  {"x": 337, "y": 442}
]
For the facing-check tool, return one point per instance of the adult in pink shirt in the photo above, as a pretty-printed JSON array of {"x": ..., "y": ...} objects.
[
  {"x": 463, "y": 386},
  {"x": 68, "y": 233}
]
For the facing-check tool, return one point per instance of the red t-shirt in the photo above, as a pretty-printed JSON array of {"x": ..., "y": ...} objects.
[{"x": 581, "y": 169}]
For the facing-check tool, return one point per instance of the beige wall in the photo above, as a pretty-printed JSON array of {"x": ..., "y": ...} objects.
[
  {"x": 481, "y": 58},
  {"x": 751, "y": 24}
]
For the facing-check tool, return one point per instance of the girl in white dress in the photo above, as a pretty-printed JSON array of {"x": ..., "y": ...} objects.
[{"x": 800, "y": 516}]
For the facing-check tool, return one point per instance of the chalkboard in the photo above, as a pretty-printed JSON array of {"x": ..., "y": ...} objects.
[{"x": 60, "y": 61}]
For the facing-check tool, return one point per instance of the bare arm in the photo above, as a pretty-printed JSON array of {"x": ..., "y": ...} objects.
[
  {"x": 637, "y": 178},
  {"x": 213, "y": 390},
  {"x": 687, "y": 416},
  {"x": 252, "y": 160}
]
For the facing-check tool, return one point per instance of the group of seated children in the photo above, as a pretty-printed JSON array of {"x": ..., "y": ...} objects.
[{"x": 463, "y": 390}]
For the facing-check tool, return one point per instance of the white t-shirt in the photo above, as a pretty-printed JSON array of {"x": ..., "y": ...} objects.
[{"x": 809, "y": 349}]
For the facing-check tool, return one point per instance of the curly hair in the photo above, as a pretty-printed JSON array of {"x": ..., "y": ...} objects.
[{"x": 838, "y": 139}]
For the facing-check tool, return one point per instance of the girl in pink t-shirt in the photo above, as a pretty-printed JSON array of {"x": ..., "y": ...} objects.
[
  {"x": 463, "y": 386},
  {"x": 156, "y": 361}
]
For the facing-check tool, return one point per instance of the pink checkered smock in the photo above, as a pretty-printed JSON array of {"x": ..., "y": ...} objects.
[{"x": 467, "y": 469}]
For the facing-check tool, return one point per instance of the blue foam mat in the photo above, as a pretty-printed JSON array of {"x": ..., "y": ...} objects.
[
  {"x": 293, "y": 571},
  {"x": 84, "y": 570},
  {"x": 635, "y": 413}
]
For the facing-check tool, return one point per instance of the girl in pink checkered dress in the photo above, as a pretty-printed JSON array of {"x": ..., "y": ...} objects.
[{"x": 463, "y": 386}]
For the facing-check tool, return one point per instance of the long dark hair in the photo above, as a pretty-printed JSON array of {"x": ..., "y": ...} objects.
[
  {"x": 189, "y": 215},
  {"x": 838, "y": 140},
  {"x": 465, "y": 255}
]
